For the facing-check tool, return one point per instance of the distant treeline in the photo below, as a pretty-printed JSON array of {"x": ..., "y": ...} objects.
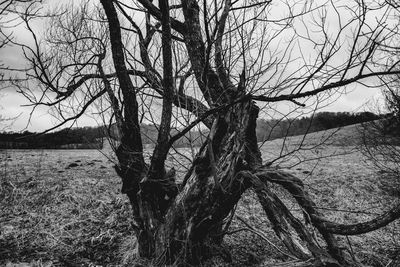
[
  {"x": 273, "y": 129},
  {"x": 92, "y": 137},
  {"x": 88, "y": 138},
  {"x": 82, "y": 138}
]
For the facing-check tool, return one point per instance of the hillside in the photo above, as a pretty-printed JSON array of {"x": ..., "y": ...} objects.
[
  {"x": 81, "y": 138},
  {"x": 267, "y": 130},
  {"x": 349, "y": 135},
  {"x": 65, "y": 208},
  {"x": 273, "y": 129},
  {"x": 291, "y": 151}
]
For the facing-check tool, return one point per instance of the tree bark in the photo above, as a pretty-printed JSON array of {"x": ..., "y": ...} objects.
[
  {"x": 195, "y": 218},
  {"x": 180, "y": 224},
  {"x": 131, "y": 167}
]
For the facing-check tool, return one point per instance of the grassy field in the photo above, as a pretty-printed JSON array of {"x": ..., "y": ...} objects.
[{"x": 64, "y": 207}]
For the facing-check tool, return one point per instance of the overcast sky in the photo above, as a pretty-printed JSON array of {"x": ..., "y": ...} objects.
[
  {"x": 12, "y": 103},
  {"x": 12, "y": 106}
]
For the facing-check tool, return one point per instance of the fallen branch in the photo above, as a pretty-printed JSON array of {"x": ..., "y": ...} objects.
[
  {"x": 360, "y": 228},
  {"x": 295, "y": 186}
]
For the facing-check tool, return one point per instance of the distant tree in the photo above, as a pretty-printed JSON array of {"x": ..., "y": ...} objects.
[
  {"x": 392, "y": 100},
  {"x": 382, "y": 137},
  {"x": 213, "y": 63},
  {"x": 381, "y": 146}
]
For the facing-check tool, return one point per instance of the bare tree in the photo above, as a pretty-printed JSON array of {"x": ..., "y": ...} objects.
[
  {"x": 7, "y": 21},
  {"x": 392, "y": 99},
  {"x": 209, "y": 63},
  {"x": 9, "y": 11},
  {"x": 381, "y": 138}
]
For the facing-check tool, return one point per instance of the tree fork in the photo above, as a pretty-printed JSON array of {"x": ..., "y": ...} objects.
[{"x": 194, "y": 219}]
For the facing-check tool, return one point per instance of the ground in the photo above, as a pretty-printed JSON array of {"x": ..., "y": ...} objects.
[{"x": 65, "y": 208}]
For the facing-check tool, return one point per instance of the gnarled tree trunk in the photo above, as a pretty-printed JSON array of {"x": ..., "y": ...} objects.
[
  {"x": 178, "y": 223},
  {"x": 189, "y": 222},
  {"x": 196, "y": 216}
]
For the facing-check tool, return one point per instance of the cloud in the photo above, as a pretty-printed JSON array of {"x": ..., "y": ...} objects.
[
  {"x": 13, "y": 106},
  {"x": 12, "y": 102}
]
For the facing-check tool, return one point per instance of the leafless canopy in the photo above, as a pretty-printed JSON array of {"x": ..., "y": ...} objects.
[{"x": 207, "y": 64}]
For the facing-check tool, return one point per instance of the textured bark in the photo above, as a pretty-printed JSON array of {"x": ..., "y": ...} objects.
[
  {"x": 153, "y": 190},
  {"x": 209, "y": 82},
  {"x": 296, "y": 237},
  {"x": 180, "y": 224},
  {"x": 296, "y": 188},
  {"x": 195, "y": 218},
  {"x": 359, "y": 228},
  {"x": 131, "y": 167}
]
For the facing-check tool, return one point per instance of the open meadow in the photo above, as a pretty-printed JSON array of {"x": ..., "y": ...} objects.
[
  {"x": 65, "y": 208},
  {"x": 246, "y": 133}
]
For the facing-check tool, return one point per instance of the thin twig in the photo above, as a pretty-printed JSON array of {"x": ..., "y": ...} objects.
[{"x": 262, "y": 235}]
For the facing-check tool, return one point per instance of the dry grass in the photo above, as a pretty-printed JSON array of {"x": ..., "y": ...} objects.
[
  {"x": 55, "y": 215},
  {"x": 52, "y": 213}
]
